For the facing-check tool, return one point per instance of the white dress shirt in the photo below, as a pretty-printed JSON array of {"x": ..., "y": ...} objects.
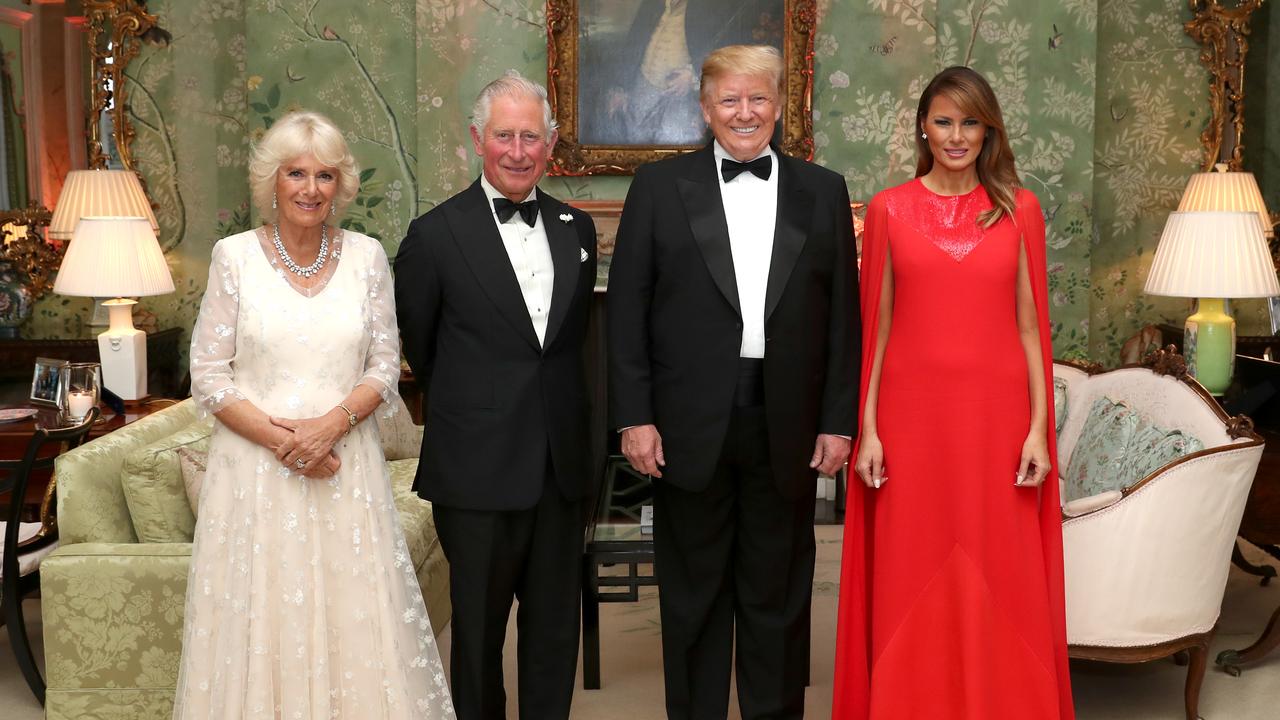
[
  {"x": 530, "y": 255},
  {"x": 751, "y": 209}
]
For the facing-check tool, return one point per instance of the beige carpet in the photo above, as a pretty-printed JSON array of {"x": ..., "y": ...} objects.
[{"x": 631, "y": 667}]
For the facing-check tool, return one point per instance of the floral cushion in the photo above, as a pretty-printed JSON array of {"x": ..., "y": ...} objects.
[
  {"x": 193, "y": 463},
  {"x": 1059, "y": 404},
  {"x": 1117, "y": 448},
  {"x": 1153, "y": 447},
  {"x": 151, "y": 477},
  {"x": 1099, "y": 455}
]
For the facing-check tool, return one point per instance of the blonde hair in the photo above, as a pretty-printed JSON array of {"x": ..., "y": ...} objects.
[
  {"x": 742, "y": 60},
  {"x": 514, "y": 85},
  {"x": 995, "y": 164},
  {"x": 296, "y": 135}
]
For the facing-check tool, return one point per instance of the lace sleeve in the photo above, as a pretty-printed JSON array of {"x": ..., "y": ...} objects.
[
  {"x": 382, "y": 363},
  {"x": 213, "y": 340}
]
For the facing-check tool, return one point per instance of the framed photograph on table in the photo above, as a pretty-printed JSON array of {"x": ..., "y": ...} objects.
[
  {"x": 623, "y": 75},
  {"x": 49, "y": 382}
]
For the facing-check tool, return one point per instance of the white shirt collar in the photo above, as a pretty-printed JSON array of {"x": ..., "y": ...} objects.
[
  {"x": 491, "y": 192},
  {"x": 721, "y": 153}
]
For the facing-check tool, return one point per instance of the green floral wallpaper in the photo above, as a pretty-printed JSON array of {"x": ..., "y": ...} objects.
[
  {"x": 874, "y": 58},
  {"x": 1104, "y": 100}
]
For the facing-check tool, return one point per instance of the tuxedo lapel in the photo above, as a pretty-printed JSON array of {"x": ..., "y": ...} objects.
[
  {"x": 481, "y": 245},
  {"x": 700, "y": 191},
  {"x": 795, "y": 212},
  {"x": 566, "y": 256}
]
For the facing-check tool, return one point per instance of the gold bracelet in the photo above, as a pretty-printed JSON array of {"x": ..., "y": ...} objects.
[{"x": 352, "y": 418}]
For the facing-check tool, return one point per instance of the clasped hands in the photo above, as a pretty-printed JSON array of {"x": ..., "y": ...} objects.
[
  {"x": 310, "y": 442},
  {"x": 642, "y": 446},
  {"x": 1033, "y": 464}
]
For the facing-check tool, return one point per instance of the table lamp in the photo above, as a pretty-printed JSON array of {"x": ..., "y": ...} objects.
[
  {"x": 1212, "y": 256},
  {"x": 1224, "y": 190},
  {"x": 98, "y": 193},
  {"x": 117, "y": 257}
]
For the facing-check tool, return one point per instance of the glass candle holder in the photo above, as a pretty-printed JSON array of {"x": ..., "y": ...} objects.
[{"x": 84, "y": 389}]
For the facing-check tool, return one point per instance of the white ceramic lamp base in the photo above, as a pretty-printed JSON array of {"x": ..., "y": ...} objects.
[{"x": 123, "y": 349}]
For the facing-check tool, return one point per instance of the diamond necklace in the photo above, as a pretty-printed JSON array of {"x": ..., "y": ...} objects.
[{"x": 296, "y": 269}]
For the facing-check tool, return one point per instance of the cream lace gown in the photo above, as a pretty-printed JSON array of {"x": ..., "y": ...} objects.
[{"x": 302, "y": 600}]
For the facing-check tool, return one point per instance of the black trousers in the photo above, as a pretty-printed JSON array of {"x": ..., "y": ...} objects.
[
  {"x": 737, "y": 552},
  {"x": 534, "y": 556}
]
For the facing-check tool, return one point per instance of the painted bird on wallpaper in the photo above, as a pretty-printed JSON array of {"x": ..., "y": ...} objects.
[
  {"x": 1055, "y": 40},
  {"x": 886, "y": 47}
]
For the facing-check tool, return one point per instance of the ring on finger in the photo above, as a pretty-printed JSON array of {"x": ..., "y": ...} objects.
[{"x": 300, "y": 463}]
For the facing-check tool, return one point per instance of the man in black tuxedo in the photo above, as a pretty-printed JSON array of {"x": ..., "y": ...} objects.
[
  {"x": 733, "y": 359},
  {"x": 492, "y": 292}
]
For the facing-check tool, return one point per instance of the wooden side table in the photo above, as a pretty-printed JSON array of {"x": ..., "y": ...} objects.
[{"x": 14, "y": 437}]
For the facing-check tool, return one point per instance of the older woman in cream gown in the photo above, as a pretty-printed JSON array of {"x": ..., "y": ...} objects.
[{"x": 302, "y": 600}]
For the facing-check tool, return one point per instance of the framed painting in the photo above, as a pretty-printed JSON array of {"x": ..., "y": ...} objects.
[{"x": 622, "y": 75}]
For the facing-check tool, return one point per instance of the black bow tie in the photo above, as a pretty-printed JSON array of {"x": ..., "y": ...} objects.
[
  {"x": 760, "y": 167},
  {"x": 505, "y": 209}
]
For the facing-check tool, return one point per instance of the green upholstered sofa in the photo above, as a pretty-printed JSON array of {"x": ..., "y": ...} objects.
[{"x": 112, "y": 604}]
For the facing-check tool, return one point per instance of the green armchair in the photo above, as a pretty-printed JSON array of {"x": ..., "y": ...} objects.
[{"x": 113, "y": 604}]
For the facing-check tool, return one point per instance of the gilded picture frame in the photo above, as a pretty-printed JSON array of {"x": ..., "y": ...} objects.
[{"x": 606, "y": 59}]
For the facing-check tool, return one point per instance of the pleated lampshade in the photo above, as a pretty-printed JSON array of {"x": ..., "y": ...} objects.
[
  {"x": 113, "y": 257},
  {"x": 99, "y": 193},
  {"x": 1222, "y": 190},
  {"x": 1212, "y": 255}
]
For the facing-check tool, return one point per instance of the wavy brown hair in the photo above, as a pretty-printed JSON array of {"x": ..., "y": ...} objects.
[{"x": 973, "y": 95}]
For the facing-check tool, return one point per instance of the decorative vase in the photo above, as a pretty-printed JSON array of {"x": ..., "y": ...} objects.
[{"x": 16, "y": 301}]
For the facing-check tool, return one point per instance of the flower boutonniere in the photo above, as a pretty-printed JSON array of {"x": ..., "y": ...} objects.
[{"x": 566, "y": 218}]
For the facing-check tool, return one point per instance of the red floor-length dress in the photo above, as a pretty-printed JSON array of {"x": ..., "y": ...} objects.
[{"x": 951, "y": 598}]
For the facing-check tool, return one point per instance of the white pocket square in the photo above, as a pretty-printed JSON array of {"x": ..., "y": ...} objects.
[
  {"x": 583, "y": 256},
  {"x": 566, "y": 218}
]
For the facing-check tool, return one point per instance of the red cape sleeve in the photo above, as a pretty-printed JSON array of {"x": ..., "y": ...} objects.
[
  {"x": 1030, "y": 221},
  {"x": 852, "y": 663}
]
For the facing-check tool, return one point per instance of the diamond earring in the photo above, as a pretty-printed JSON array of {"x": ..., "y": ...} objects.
[
  {"x": 333, "y": 209},
  {"x": 924, "y": 136},
  {"x": 273, "y": 201}
]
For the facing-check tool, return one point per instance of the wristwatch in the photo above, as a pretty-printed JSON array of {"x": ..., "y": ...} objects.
[{"x": 352, "y": 418}]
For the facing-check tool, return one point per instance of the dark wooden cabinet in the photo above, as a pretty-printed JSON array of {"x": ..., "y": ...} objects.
[{"x": 18, "y": 358}]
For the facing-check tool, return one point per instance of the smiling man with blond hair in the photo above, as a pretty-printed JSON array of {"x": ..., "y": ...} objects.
[{"x": 733, "y": 364}]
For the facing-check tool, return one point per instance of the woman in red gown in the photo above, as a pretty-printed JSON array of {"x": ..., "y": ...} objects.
[{"x": 951, "y": 598}]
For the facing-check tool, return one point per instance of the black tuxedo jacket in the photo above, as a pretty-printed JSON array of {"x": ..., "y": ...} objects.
[
  {"x": 675, "y": 327},
  {"x": 496, "y": 402}
]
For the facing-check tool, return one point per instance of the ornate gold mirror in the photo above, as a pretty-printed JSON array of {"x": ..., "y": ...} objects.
[
  {"x": 1222, "y": 30},
  {"x": 115, "y": 29},
  {"x": 1225, "y": 31}
]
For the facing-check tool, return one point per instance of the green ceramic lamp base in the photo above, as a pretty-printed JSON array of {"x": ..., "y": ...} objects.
[{"x": 1209, "y": 343}]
